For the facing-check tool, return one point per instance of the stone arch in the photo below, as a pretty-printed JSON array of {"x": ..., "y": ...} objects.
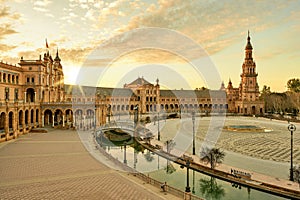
[
  {"x": 78, "y": 118},
  {"x": 58, "y": 117},
  {"x": 31, "y": 116},
  {"x": 30, "y": 95},
  {"x": 37, "y": 112},
  {"x": 26, "y": 117},
  {"x": 11, "y": 118},
  {"x": 69, "y": 116},
  {"x": 2, "y": 124},
  {"x": 20, "y": 119},
  {"x": 253, "y": 110},
  {"x": 48, "y": 119}
]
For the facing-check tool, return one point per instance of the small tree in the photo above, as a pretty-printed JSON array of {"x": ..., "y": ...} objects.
[
  {"x": 213, "y": 156},
  {"x": 294, "y": 85},
  {"x": 170, "y": 145}
]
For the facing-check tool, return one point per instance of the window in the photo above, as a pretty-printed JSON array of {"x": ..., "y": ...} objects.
[
  {"x": 16, "y": 94},
  {"x": 17, "y": 79},
  {"x": 32, "y": 79},
  {"x": 6, "y": 93},
  {"x": 4, "y": 77},
  {"x": 8, "y": 78},
  {"x": 27, "y": 79},
  {"x": 13, "y": 79}
]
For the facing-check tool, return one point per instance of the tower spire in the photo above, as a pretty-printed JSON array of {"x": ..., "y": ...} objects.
[
  {"x": 248, "y": 46},
  {"x": 57, "y": 57}
]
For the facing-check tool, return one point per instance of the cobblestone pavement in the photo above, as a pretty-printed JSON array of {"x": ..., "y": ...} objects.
[
  {"x": 273, "y": 145},
  {"x": 55, "y": 165}
]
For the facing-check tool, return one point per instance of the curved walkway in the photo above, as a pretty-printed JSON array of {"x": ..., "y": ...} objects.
[{"x": 55, "y": 165}]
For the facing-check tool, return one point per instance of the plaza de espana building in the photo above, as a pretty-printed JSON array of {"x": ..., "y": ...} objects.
[{"x": 33, "y": 94}]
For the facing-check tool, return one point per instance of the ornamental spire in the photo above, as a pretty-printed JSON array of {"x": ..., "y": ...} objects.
[
  {"x": 248, "y": 46},
  {"x": 57, "y": 57}
]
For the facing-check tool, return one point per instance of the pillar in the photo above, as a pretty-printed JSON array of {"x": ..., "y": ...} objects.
[
  {"x": 83, "y": 122},
  {"x": 6, "y": 126},
  {"x": 15, "y": 125},
  {"x": 52, "y": 120},
  {"x": 63, "y": 118},
  {"x": 23, "y": 122},
  {"x": 34, "y": 119},
  {"x": 34, "y": 96},
  {"x": 25, "y": 97},
  {"x": 43, "y": 120}
]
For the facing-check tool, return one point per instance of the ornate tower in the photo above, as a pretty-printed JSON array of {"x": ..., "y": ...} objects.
[
  {"x": 248, "y": 90},
  {"x": 247, "y": 101}
]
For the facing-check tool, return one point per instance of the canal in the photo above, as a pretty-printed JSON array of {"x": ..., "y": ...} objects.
[{"x": 163, "y": 170}]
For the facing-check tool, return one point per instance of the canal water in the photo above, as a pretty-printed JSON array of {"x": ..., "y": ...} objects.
[{"x": 160, "y": 169}]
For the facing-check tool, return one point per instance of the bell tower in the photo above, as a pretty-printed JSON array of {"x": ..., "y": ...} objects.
[
  {"x": 249, "y": 89},
  {"x": 245, "y": 99}
]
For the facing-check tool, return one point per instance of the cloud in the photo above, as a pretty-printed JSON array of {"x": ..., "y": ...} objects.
[
  {"x": 6, "y": 29},
  {"x": 41, "y": 5},
  {"x": 210, "y": 23},
  {"x": 5, "y": 47}
]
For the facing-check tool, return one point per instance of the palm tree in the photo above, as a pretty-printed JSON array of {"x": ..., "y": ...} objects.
[
  {"x": 213, "y": 156},
  {"x": 210, "y": 189},
  {"x": 148, "y": 156},
  {"x": 170, "y": 145}
]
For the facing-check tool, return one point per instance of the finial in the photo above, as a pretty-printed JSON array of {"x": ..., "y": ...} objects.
[{"x": 47, "y": 46}]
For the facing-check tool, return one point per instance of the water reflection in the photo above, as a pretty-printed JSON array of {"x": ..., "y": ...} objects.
[
  {"x": 164, "y": 170},
  {"x": 149, "y": 156},
  {"x": 169, "y": 168},
  {"x": 210, "y": 189}
]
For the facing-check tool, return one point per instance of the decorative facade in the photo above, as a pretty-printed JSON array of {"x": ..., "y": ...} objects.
[
  {"x": 245, "y": 99},
  {"x": 33, "y": 94}
]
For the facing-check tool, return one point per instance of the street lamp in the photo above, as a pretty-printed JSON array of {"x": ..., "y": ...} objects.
[
  {"x": 125, "y": 160},
  {"x": 193, "y": 119},
  {"x": 136, "y": 118},
  {"x": 291, "y": 128},
  {"x": 187, "y": 188},
  {"x": 158, "y": 131}
]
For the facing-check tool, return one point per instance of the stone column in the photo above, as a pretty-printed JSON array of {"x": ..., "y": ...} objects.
[
  {"x": 43, "y": 120},
  {"x": 15, "y": 125},
  {"x": 63, "y": 118},
  {"x": 83, "y": 122},
  {"x": 6, "y": 126},
  {"x": 34, "y": 96},
  {"x": 23, "y": 122},
  {"x": 53, "y": 120},
  {"x": 25, "y": 97},
  {"x": 34, "y": 119}
]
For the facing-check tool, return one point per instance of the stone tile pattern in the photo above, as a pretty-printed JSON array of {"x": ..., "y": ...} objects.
[{"x": 55, "y": 165}]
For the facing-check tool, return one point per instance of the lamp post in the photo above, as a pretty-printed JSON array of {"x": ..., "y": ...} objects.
[
  {"x": 136, "y": 118},
  {"x": 193, "y": 119},
  {"x": 187, "y": 188},
  {"x": 193, "y": 189},
  {"x": 125, "y": 160},
  {"x": 291, "y": 128},
  {"x": 158, "y": 131}
]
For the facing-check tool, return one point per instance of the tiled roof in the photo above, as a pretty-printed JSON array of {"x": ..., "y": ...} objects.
[
  {"x": 91, "y": 91},
  {"x": 193, "y": 93},
  {"x": 140, "y": 81}
]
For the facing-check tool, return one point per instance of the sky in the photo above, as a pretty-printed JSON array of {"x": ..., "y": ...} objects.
[{"x": 185, "y": 44}]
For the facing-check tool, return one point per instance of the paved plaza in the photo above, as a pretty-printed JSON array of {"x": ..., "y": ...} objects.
[
  {"x": 263, "y": 152},
  {"x": 55, "y": 165}
]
